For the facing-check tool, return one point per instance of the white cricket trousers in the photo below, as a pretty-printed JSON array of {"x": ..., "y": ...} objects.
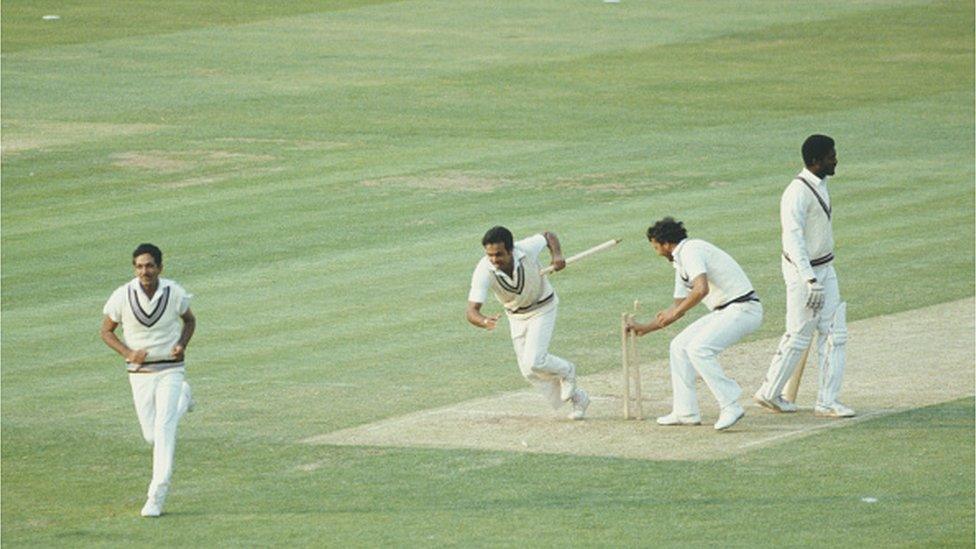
[
  {"x": 830, "y": 322},
  {"x": 531, "y": 337},
  {"x": 694, "y": 352},
  {"x": 160, "y": 402}
]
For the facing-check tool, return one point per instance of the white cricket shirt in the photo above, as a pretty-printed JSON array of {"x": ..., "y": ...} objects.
[
  {"x": 526, "y": 291},
  {"x": 726, "y": 279},
  {"x": 151, "y": 324},
  {"x": 805, "y": 213}
]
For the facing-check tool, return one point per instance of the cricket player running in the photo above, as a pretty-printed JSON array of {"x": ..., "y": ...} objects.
[
  {"x": 702, "y": 273},
  {"x": 157, "y": 325},
  {"x": 812, "y": 293},
  {"x": 512, "y": 271}
]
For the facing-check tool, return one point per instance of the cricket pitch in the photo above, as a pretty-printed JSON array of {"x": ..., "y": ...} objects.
[{"x": 894, "y": 363}]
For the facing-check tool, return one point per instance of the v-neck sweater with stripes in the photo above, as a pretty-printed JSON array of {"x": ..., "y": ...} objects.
[
  {"x": 151, "y": 324},
  {"x": 805, "y": 217}
]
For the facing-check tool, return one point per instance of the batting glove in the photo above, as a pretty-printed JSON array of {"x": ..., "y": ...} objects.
[{"x": 815, "y": 295}]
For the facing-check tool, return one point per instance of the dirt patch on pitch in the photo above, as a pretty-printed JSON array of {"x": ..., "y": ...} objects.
[
  {"x": 182, "y": 161},
  {"x": 446, "y": 182},
  {"x": 610, "y": 184},
  {"x": 218, "y": 178},
  {"x": 292, "y": 144},
  {"x": 477, "y": 183},
  {"x": 21, "y": 135},
  {"x": 186, "y": 166},
  {"x": 895, "y": 363},
  {"x": 592, "y": 183},
  {"x": 152, "y": 160}
]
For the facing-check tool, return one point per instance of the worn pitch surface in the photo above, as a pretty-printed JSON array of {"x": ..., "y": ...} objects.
[{"x": 895, "y": 362}]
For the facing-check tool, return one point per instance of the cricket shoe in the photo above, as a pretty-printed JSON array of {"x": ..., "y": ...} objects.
[
  {"x": 779, "y": 404},
  {"x": 152, "y": 509},
  {"x": 567, "y": 387},
  {"x": 673, "y": 419},
  {"x": 833, "y": 410},
  {"x": 581, "y": 401},
  {"x": 730, "y": 415}
]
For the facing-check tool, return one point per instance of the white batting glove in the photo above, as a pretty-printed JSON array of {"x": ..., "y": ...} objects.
[{"x": 815, "y": 295}]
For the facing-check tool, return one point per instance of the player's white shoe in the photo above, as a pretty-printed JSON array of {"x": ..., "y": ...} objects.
[
  {"x": 153, "y": 508},
  {"x": 779, "y": 404},
  {"x": 581, "y": 401},
  {"x": 833, "y": 410},
  {"x": 730, "y": 415},
  {"x": 673, "y": 419}
]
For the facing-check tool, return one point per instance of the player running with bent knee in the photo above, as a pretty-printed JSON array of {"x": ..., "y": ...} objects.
[{"x": 512, "y": 271}]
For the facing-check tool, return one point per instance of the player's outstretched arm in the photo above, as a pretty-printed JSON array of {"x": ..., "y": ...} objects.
[{"x": 475, "y": 317}]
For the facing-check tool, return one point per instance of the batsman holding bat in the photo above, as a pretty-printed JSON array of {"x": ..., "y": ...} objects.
[
  {"x": 513, "y": 273},
  {"x": 812, "y": 293},
  {"x": 703, "y": 273}
]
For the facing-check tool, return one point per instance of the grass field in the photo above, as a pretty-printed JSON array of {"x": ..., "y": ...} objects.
[{"x": 319, "y": 175}]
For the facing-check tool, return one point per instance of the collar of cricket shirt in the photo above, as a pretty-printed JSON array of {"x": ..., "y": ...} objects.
[
  {"x": 812, "y": 178},
  {"x": 141, "y": 292},
  {"x": 517, "y": 256},
  {"x": 676, "y": 251}
]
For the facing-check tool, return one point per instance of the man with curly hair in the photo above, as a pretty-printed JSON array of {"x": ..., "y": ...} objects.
[{"x": 703, "y": 273}]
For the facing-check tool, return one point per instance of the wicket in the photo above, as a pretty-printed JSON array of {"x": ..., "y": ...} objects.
[{"x": 633, "y": 406}]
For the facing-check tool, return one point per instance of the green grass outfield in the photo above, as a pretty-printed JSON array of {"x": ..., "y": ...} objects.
[{"x": 319, "y": 176}]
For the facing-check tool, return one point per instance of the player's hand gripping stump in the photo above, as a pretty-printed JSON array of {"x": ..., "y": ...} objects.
[{"x": 633, "y": 407}]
